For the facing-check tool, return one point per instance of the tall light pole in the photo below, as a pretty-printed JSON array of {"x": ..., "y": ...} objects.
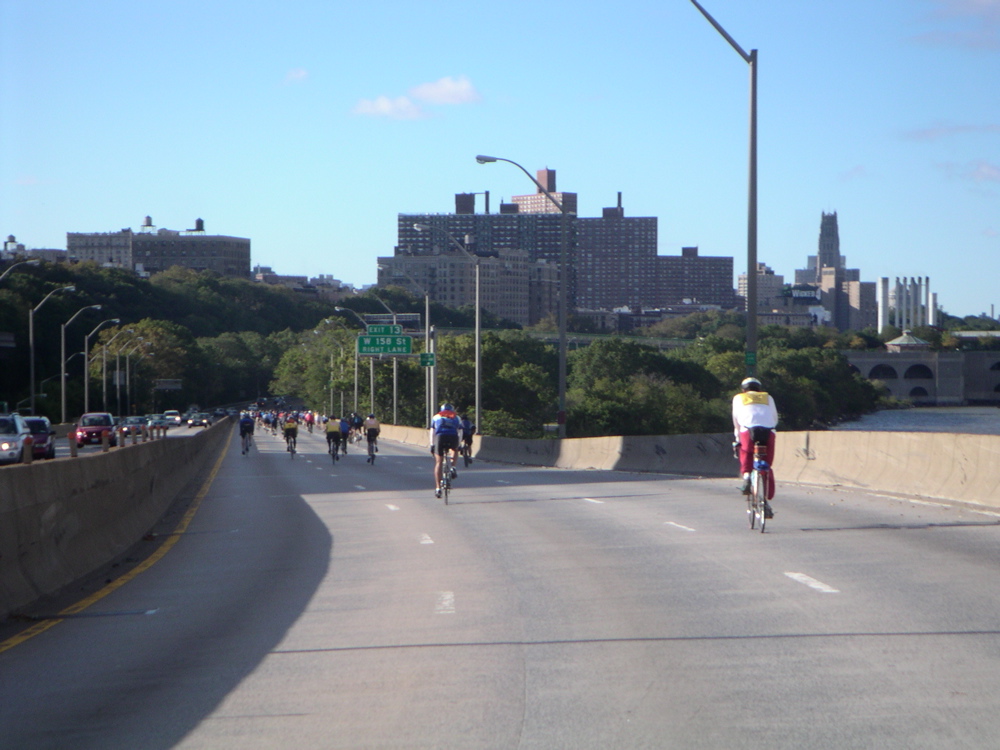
[
  {"x": 86, "y": 361},
  {"x": 479, "y": 311},
  {"x": 12, "y": 266},
  {"x": 62, "y": 354},
  {"x": 427, "y": 336},
  {"x": 363, "y": 323},
  {"x": 563, "y": 284},
  {"x": 395, "y": 371},
  {"x": 104, "y": 364},
  {"x": 751, "y": 59},
  {"x": 31, "y": 338}
]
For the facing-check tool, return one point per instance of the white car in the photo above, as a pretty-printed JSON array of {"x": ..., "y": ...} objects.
[
  {"x": 174, "y": 416},
  {"x": 14, "y": 432}
]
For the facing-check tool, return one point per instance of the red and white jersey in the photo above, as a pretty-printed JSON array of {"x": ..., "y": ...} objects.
[{"x": 754, "y": 409}]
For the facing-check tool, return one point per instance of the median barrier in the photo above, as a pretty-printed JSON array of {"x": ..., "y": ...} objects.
[{"x": 61, "y": 520}]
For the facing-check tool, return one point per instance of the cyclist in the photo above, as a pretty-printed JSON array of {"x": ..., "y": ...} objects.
[
  {"x": 246, "y": 430},
  {"x": 372, "y": 429},
  {"x": 310, "y": 418},
  {"x": 290, "y": 426},
  {"x": 333, "y": 435},
  {"x": 345, "y": 432},
  {"x": 445, "y": 434},
  {"x": 755, "y": 415},
  {"x": 468, "y": 430},
  {"x": 357, "y": 423}
]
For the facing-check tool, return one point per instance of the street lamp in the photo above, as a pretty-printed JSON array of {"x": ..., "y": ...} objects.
[
  {"x": 563, "y": 285},
  {"x": 751, "y": 59},
  {"x": 128, "y": 397},
  {"x": 104, "y": 364},
  {"x": 86, "y": 361},
  {"x": 363, "y": 323},
  {"x": 427, "y": 334},
  {"x": 31, "y": 337},
  {"x": 395, "y": 370},
  {"x": 479, "y": 348},
  {"x": 32, "y": 262},
  {"x": 62, "y": 354}
]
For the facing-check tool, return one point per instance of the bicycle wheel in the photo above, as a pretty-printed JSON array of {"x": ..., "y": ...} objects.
[
  {"x": 371, "y": 453},
  {"x": 759, "y": 486},
  {"x": 446, "y": 478},
  {"x": 751, "y": 510}
]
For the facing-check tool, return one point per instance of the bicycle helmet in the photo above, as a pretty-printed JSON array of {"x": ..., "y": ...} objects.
[
  {"x": 371, "y": 416},
  {"x": 447, "y": 407},
  {"x": 751, "y": 384}
]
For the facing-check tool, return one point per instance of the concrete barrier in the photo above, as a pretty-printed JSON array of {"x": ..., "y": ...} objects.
[{"x": 60, "y": 520}]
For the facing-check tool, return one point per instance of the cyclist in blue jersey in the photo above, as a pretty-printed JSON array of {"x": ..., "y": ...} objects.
[
  {"x": 345, "y": 429},
  {"x": 445, "y": 434}
]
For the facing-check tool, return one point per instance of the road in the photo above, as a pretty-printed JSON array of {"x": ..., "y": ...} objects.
[{"x": 314, "y": 605}]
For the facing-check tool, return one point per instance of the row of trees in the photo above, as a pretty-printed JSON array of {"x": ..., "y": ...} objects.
[{"x": 231, "y": 340}]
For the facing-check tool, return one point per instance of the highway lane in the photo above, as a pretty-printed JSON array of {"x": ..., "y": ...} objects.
[{"x": 321, "y": 605}]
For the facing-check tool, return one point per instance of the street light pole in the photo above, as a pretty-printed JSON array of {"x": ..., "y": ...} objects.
[
  {"x": 62, "y": 356},
  {"x": 86, "y": 361},
  {"x": 563, "y": 284},
  {"x": 32, "y": 262},
  {"x": 31, "y": 338},
  {"x": 479, "y": 344},
  {"x": 751, "y": 59},
  {"x": 395, "y": 371}
]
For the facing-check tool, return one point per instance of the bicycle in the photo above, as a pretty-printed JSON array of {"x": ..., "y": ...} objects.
[
  {"x": 290, "y": 444},
  {"x": 446, "y": 469},
  {"x": 333, "y": 449},
  {"x": 247, "y": 442},
  {"x": 466, "y": 451},
  {"x": 372, "y": 450},
  {"x": 760, "y": 475}
]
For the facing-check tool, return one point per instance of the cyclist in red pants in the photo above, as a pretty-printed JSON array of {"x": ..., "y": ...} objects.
[{"x": 754, "y": 410}]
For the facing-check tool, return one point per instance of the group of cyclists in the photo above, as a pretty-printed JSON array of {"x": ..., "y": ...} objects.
[{"x": 754, "y": 412}]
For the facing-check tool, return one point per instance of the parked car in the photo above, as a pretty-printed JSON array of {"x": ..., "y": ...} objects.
[
  {"x": 92, "y": 427},
  {"x": 174, "y": 416},
  {"x": 133, "y": 425},
  {"x": 199, "y": 420},
  {"x": 13, "y": 435},
  {"x": 44, "y": 445}
]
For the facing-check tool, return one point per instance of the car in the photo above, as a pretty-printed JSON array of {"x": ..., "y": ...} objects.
[
  {"x": 14, "y": 434},
  {"x": 44, "y": 445},
  {"x": 133, "y": 425},
  {"x": 199, "y": 420},
  {"x": 158, "y": 420},
  {"x": 173, "y": 415},
  {"x": 92, "y": 427}
]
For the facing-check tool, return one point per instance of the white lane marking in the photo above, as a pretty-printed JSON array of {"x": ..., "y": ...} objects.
[
  {"x": 592, "y": 500},
  {"x": 358, "y": 487},
  {"x": 445, "y": 603},
  {"x": 677, "y": 525},
  {"x": 425, "y": 539},
  {"x": 812, "y": 583},
  {"x": 392, "y": 507},
  {"x": 502, "y": 481}
]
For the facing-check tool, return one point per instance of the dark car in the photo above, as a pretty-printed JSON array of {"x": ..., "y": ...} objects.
[
  {"x": 199, "y": 420},
  {"x": 43, "y": 436},
  {"x": 93, "y": 426}
]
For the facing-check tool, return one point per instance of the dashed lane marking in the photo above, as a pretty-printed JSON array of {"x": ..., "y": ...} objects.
[
  {"x": 425, "y": 539},
  {"x": 678, "y": 526},
  {"x": 812, "y": 583},
  {"x": 445, "y": 603},
  {"x": 392, "y": 507}
]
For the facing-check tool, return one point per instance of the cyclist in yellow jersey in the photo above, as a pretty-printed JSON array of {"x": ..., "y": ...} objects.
[
  {"x": 291, "y": 427},
  {"x": 754, "y": 413}
]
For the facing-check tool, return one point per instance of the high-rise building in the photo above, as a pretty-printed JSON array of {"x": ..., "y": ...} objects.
[{"x": 148, "y": 251}]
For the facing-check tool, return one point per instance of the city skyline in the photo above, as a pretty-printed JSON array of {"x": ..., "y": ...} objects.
[{"x": 309, "y": 129}]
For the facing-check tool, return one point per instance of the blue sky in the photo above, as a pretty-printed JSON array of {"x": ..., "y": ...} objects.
[{"x": 309, "y": 126}]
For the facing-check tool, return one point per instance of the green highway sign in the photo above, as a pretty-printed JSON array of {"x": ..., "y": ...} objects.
[
  {"x": 381, "y": 330},
  {"x": 372, "y": 345},
  {"x": 427, "y": 359}
]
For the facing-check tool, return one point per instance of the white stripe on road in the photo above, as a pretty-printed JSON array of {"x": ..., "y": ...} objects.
[
  {"x": 445, "y": 603},
  {"x": 358, "y": 487},
  {"x": 425, "y": 539},
  {"x": 677, "y": 525},
  {"x": 502, "y": 481},
  {"x": 592, "y": 500},
  {"x": 392, "y": 507},
  {"x": 812, "y": 583}
]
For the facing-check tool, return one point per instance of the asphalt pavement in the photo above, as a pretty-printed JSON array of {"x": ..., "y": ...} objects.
[{"x": 316, "y": 604}]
